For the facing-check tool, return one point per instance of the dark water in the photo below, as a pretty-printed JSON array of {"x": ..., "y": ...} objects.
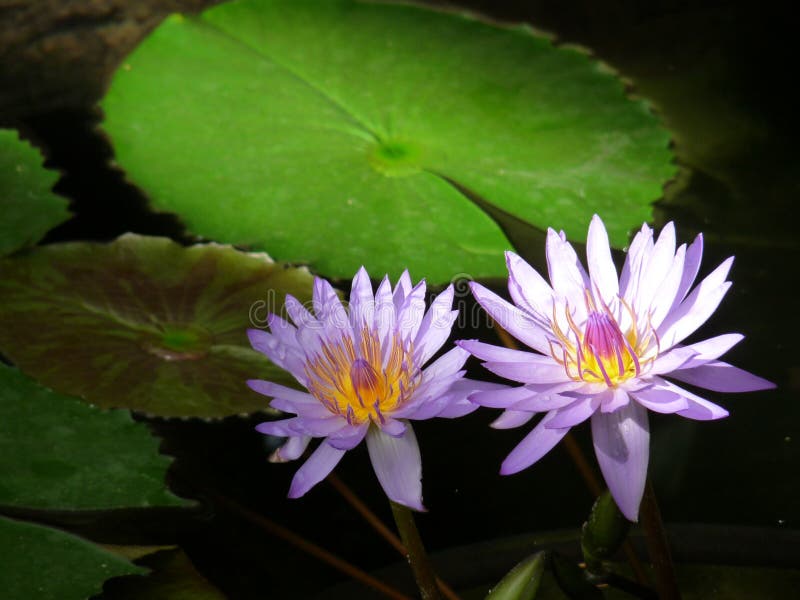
[{"x": 720, "y": 77}]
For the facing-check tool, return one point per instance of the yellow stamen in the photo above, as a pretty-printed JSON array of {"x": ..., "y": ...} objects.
[
  {"x": 602, "y": 352},
  {"x": 352, "y": 378}
]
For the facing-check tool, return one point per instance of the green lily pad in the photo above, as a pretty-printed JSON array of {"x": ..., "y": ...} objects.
[
  {"x": 337, "y": 133},
  {"x": 58, "y": 453},
  {"x": 46, "y": 564},
  {"x": 29, "y": 207},
  {"x": 144, "y": 323},
  {"x": 173, "y": 577}
]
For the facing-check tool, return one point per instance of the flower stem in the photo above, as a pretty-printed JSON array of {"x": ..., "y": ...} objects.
[
  {"x": 415, "y": 552},
  {"x": 306, "y": 546},
  {"x": 657, "y": 546},
  {"x": 370, "y": 517}
]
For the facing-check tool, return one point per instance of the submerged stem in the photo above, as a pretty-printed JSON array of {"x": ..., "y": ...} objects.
[
  {"x": 373, "y": 520},
  {"x": 657, "y": 546},
  {"x": 415, "y": 552}
]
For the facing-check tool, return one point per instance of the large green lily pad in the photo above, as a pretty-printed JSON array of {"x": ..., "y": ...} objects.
[
  {"x": 333, "y": 132},
  {"x": 28, "y": 205},
  {"x": 144, "y": 323},
  {"x": 40, "y": 563},
  {"x": 58, "y": 453}
]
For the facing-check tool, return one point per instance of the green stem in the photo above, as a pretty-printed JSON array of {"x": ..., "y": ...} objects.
[
  {"x": 415, "y": 552},
  {"x": 657, "y": 546}
]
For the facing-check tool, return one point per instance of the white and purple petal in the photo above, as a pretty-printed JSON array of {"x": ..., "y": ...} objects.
[
  {"x": 315, "y": 469},
  {"x": 622, "y": 445},
  {"x": 362, "y": 301},
  {"x": 528, "y": 289},
  {"x": 511, "y": 418},
  {"x": 698, "y": 306},
  {"x": 539, "y": 441},
  {"x": 719, "y": 376},
  {"x": 512, "y": 319},
  {"x": 398, "y": 466},
  {"x": 602, "y": 271},
  {"x": 292, "y": 449}
]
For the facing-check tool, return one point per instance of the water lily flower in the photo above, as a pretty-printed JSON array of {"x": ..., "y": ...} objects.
[
  {"x": 608, "y": 348},
  {"x": 364, "y": 369}
]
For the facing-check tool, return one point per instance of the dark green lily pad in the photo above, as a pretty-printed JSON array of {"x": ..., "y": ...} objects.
[
  {"x": 344, "y": 125},
  {"x": 58, "y": 453},
  {"x": 40, "y": 563},
  {"x": 144, "y": 323},
  {"x": 28, "y": 205},
  {"x": 173, "y": 577}
]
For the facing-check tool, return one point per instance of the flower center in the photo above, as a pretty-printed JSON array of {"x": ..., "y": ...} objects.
[
  {"x": 361, "y": 380},
  {"x": 600, "y": 352}
]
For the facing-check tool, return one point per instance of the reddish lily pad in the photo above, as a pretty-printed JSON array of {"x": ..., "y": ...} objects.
[{"x": 144, "y": 323}]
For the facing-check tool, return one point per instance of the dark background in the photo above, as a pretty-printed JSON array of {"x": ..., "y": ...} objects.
[{"x": 721, "y": 76}]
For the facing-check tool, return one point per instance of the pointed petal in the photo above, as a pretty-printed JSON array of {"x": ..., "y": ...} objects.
[
  {"x": 275, "y": 390},
  {"x": 528, "y": 289},
  {"x": 533, "y": 446},
  {"x": 429, "y": 399},
  {"x": 501, "y": 398},
  {"x": 622, "y": 444},
  {"x": 501, "y": 353},
  {"x": 511, "y": 318},
  {"x": 398, "y": 466},
  {"x": 601, "y": 266},
  {"x": 318, "y": 427},
  {"x": 636, "y": 259},
  {"x": 699, "y": 409},
  {"x": 543, "y": 403},
  {"x": 309, "y": 410},
  {"x": 315, "y": 469},
  {"x": 712, "y": 348},
  {"x": 393, "y": 427},
  {"x": 660, "y": 400},
  {"x": 698, "y": 306},
  {"x": 402, "y": 289},
  {"x": 281, "y": 428},
  {"x": 528, "y": 372},
  {"x": 663, "y": 299},
  {"x": 283, "y": 331},
  {"x": 384, "y": 316},
  {"x": 329, "y": 310},
  {"x": 456, "y": 403},
  {"x": 362, "y": 302},
  {"x": 291, "y": 450},
  {"x": 719, "y": 376},
  {"x": 287, "y": 357},
  {"x": 410, "y": 311},
  {"x": 436, "y": 326},
  {"x": 297, "y": 312},
  {"x": 691, "y": 267},
  {"x": 448, "y": 363},
  {"x": 614, "y": 400},
  {"x": 567, "y": 274},
  {"x": 348, "y": 437},
  {"x": 574, "y": 414},
  {"x": 511, "y": 418},
  {"x": 658, "y": 265},
  {"x": 672, "y": 359}
]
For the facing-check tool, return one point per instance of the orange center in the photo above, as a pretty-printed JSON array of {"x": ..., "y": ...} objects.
[{"x": 355, "y": 380}]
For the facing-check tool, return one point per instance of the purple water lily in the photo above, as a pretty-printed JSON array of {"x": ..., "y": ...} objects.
[
  {"x": 363, "y": 369},
  {"x": 604, "y": 345}
]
